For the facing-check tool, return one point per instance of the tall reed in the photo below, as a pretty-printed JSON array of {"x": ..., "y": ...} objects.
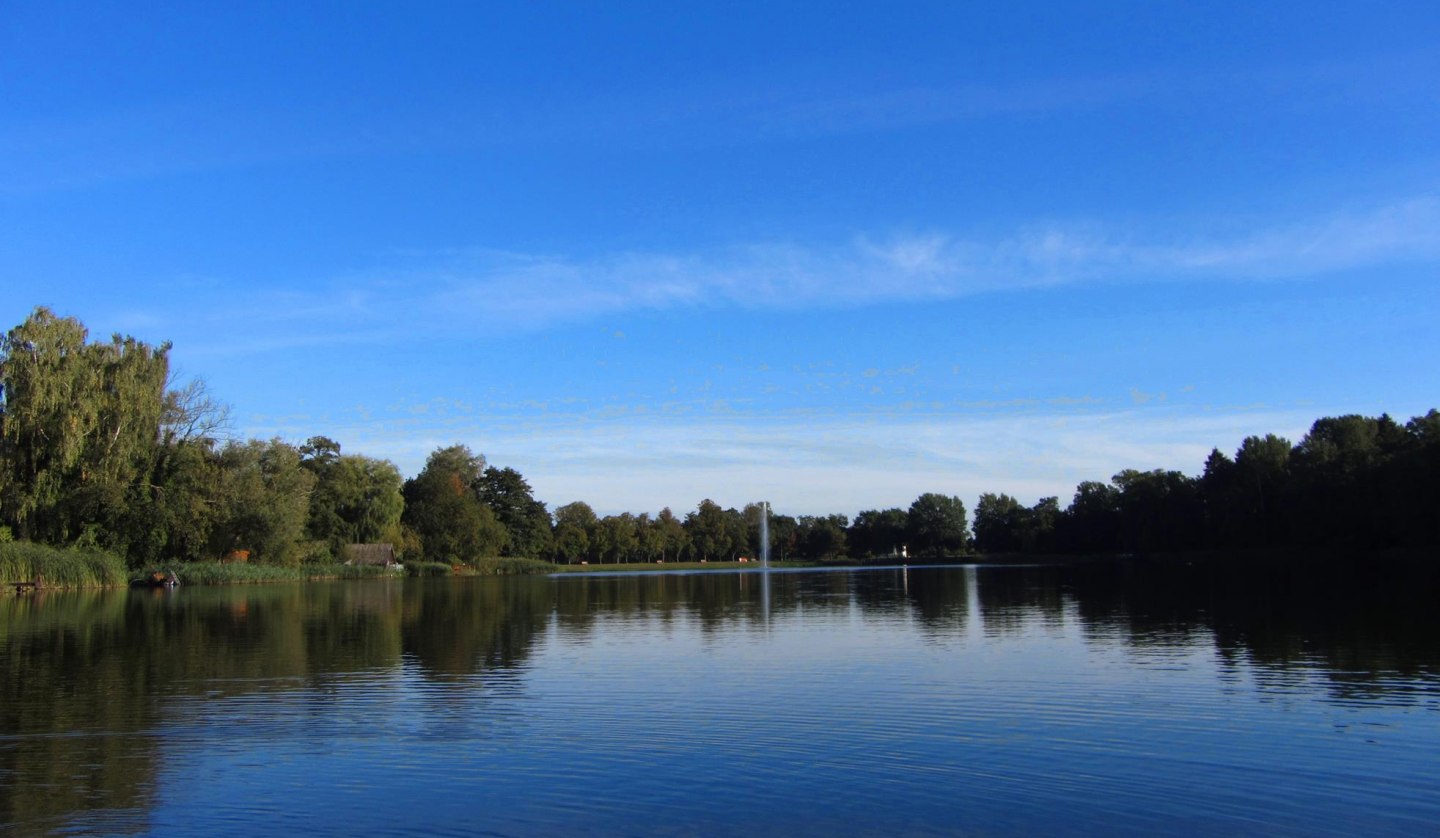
[
  {"x": 243, "y": 573},
  {"x": 59, "y": 567}
]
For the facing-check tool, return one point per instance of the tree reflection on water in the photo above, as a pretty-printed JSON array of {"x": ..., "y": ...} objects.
[{"x": 88, "y": 680}]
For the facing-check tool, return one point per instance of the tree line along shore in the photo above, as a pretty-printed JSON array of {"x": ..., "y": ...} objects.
[{"x": 108, "y": 468}]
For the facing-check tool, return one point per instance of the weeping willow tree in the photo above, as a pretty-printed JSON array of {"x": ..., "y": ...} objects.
[{"x": 79, "y": 424}]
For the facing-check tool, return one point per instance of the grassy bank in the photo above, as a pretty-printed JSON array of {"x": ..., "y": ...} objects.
[
  {"x": 214, "y": 573},
  {"x": 54, "y": 567},
  {"x": 651, "y": 567},
  {"x": 496, "y": 566}
]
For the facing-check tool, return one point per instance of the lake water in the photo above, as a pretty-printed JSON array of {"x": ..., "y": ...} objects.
[{"x": 991, "y": 700}]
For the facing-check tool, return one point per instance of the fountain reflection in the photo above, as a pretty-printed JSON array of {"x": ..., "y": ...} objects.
[{"x": 89, "y": 681}]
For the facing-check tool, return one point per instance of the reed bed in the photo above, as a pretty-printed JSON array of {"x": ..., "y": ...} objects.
[
  {"x": 59, "y": 567},
  {"x": 493, "y": 566},
  {"x": 511, "y": 566},
  {"x": 427, "y": 569},
  {"x": 238, "y": 573}
]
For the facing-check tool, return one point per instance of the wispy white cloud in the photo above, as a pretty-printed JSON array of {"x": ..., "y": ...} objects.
[
  {"x": 510, "y": 288},
  {"x": 828, "y": 463},
  {"x": 486, "y": 291}
]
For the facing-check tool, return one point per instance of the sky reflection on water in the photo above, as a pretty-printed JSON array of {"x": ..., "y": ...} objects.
[{"x": 919, "y": 701}]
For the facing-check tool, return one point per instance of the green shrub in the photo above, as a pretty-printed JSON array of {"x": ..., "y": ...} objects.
[{"x": 316, "y": 553}]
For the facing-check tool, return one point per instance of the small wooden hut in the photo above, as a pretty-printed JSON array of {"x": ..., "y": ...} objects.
[{"x": 382, "y": 555}]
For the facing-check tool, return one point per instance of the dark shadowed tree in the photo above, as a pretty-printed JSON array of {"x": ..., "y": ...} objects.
[
  {"x": 999, "y": 522},
  {"x": 878, "y": 532},
  {"x": 1091, "y": 524},
  {"x": 937, "y": 526},
  {"x": 1159, "y": 510},
  {"x": 525, "y": 519},
  {"x": 821, "y": 537}
]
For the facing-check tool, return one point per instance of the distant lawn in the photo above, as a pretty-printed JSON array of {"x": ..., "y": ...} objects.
[{"x": 651, "y": 567}]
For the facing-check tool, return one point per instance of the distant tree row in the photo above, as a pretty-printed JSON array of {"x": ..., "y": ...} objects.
[
  {"x": 935, "y": 525},
  {"x": 1352, "y": 483},
  {"x": 99, "y": 447}
]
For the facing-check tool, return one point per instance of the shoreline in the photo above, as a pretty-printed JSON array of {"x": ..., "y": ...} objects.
[{"x": 53, "y": 570}]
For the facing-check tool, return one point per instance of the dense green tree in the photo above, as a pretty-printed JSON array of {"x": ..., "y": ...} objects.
[
  {"x": 96, "y": 446},
  {"x": 1091, "y": 524},
  {"x": 821, "y": 537},
  {"x": 999, "y": 522},
  {"x": 670, "y": 534},
  {"x": 617, "y": 538},
  {"x": 1004, "y": 525},
  {"x": 937, "y": 526},
  {"x": 174, "y": 518},
  {"x": 575, "y": 525},
  {"x": 1343, "y": 499},
  {"x": 1246, "y": 498},
  {"x": 79, "y": 423},
  {"x": 740, "y": 536},
  {"x": 262, "y": 502},
  {"x": 784, "y": 537},
  {"x": 356, "y": 499},
  {"x": 878, "y": 532},
  {"x": 1159, "y": 510},
  {"x": 1043, "y": 522},
  {"x": 441, "y": 507},
  {"x": 707, "y": 531},
  {"x": 170, "y": 514},
  {"x": 525, "y": 519},
  {"x": 1415, "y": 479}
]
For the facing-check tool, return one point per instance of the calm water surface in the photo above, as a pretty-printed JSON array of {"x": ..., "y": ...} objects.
[{"x": 991, "y": 700}]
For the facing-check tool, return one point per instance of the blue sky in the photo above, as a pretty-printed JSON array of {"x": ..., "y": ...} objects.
[{"x": 833, "y": 255}]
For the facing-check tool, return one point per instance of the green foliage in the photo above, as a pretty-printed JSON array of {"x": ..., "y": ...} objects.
[
  {"x": 999, "y": 521},
  {"x": 670, "y": 538},
  {"x": 616, "y": 539},
  {"x": 937, "y": 527},
  {"x": 709, "y": 533},
  {"x": 263, "y": 501},
  {"x": 453, "y": 526},
  {"x": 575, "y": 525},
  {"x": 784, "y": 537},
  {"x": 181, "y": 506},
  {"x": 878, "y": 532},
  {"x": 526, "y": 522},
  {"x": 97, "y": 455},
  {"x": 78, "y": 426},
  {"x": 356, "y": 500},
  {"x": 23, "y": 561},
  {"x": 1092, "y": 522},
  {"x": 245, "y": 573},
  {"x": 821, "y": 538}
]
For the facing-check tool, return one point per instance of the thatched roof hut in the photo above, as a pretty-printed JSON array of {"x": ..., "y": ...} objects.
[{"x": 370, "y": 554}]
